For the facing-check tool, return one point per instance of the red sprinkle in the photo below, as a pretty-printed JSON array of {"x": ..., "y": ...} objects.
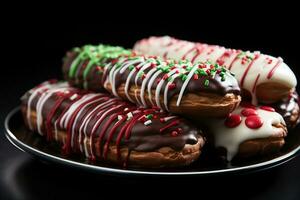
[
  {"x": 114, "y": 61},
  {"x": 196, "y": 77},
  {"x": 171, "y": 86},
  {"x": 98, "y": 68},
  {"x": 254, "y": 122},
  {"x": 184, "y": 67},
  {"x": 267, "y": 108},
  {"x": 220, "y": 62},
  {"x": 162, "y": 120},
  {"x": 153, "y": 65},
  {"x": 166, "y": 76},
  {"x": 233, "y": 120},
  {"x": 174, "y": 133},
  {"x": 248, "y": 111},
  {"x": 143, "y": 76}
]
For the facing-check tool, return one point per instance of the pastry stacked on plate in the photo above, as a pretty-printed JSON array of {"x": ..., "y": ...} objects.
[{"x": 158, "y": 105}]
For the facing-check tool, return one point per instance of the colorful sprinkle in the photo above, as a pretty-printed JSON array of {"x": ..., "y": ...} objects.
[
  {"x": 206, "y": 83},
  {"x": 148, "y": 122}
]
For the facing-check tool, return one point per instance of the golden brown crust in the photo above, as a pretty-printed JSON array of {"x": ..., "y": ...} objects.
[
  {"x": 271, "y": 92},
  {"x": 163, "y": 157},
  {"x": 193, "y": 105},
  {"x": 260, "y": 147}
]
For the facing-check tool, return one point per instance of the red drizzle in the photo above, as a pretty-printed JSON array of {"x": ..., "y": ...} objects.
[
  {"x": 247, "y": 70},
  {"x": 272, "y": 71}
]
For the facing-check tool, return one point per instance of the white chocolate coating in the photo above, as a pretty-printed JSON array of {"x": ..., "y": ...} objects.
[
  {"x": 251, "y": 69},
  {"x": 231, "y": 138}
]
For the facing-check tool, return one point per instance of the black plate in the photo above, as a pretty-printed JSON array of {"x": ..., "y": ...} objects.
[{"x": 34, "y": 144}]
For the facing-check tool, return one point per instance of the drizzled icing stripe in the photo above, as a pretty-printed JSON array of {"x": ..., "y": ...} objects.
[{"x": 185, "y": 83}]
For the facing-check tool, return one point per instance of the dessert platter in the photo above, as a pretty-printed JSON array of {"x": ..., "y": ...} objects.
[{"x": 165, "y": 107}]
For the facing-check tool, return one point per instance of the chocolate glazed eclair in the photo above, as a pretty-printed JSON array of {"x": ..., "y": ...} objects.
[
  {"x": 101, "y": 127},
  {"x": 194, "y": 90}
]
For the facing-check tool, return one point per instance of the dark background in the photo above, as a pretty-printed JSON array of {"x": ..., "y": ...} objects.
[{"x": 35, "y": 42}]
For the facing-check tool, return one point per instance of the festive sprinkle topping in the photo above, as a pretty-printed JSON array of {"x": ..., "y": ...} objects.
[
  {"x": 150, "y": 116},
  {"x": 206, "y": 83},
  {"x": 172, "y": 86},
  {"x": 129, "y": 115},
  {"x": 148, "y": 122}
]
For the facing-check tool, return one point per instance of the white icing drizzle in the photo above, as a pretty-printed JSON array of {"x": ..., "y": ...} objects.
[
  {"x": 159, "y": 86},
  {"x": 143, "y": 87},
  {"x": 40, "y": 104},
  {"x": 166, "y": 91},
  {"x": 113, "y": 72},
  {"x": 32, "y": 96},
  {"x": 150, "y": 83},
  {"x": 231, "y": 138},
  {"x": 185, "y": 83}
]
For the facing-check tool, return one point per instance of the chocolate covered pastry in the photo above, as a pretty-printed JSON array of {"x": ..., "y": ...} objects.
[
  {"x": 262, "y": 77},
  {"x": 198, "y": 90},
  {"x": 289, "y": 109},
  {"x": 101, "y": 127}
]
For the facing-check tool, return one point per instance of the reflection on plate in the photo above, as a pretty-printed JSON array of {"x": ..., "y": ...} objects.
[{"x": 34, "y": 144}]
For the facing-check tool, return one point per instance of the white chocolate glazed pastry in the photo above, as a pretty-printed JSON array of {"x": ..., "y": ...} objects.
[
  {"x": 249, "y": 131},
  {"x": 264, "y": 78}
]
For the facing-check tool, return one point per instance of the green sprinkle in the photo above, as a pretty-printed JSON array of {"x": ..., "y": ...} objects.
[
  {"x": 150, "y": 116},
  {"x": 131, "y": 67},
  {"x": 202, "y": 72},
  {"x": 213, "y": 74},
  {"x": 223, "y": 69},
  {"x": 184, "y": 77},
  {"x": 217, "y": 66},
  {"x": 223, "y": 78},
  {"x": 170, "y": 78},
  {"x": 118, "y": 65},
  {"x": 166, "y": 69},
  {"x": 140, "y": 74},
  {"x": 206, "y": 83}
]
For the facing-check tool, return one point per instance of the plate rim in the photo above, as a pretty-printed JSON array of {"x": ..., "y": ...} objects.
[{"x": 31, "y": 150}]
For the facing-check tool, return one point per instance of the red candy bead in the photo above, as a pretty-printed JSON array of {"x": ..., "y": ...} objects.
[
  {"x": 233, "y": 120},
  {"x": 267, "y": 108},
  {"x": 248, "y": 111},
  {"x": 254, "y": 122}
]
